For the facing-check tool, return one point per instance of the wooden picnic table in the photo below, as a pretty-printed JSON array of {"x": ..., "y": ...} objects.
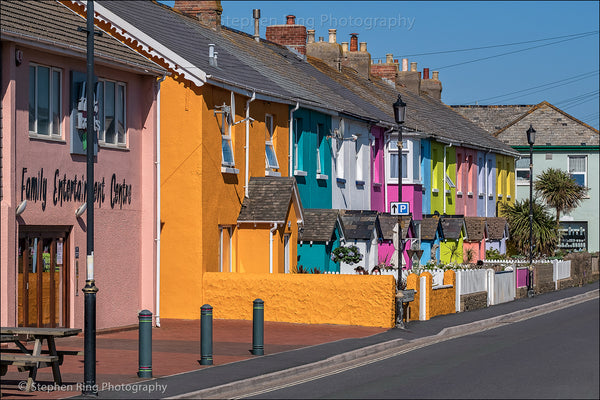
[{"x": 31, "y": 360}]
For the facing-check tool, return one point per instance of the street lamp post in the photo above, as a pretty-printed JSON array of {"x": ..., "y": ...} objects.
[
  {"x": 89, "y": 355},
  {"x": 399, "y": 116},
  {"x": 531, "y": 141}
]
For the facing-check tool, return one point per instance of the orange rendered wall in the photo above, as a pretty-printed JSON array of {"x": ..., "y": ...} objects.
[
  {"x": 366, "y": 300},
  {"x": 196, "y": 196}
]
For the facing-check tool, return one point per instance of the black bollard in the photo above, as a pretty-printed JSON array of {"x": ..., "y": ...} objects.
[
  {"x": 145, "y": 344},
  {"x": 206, "y": 335},
  {"x": 258, "y": 328}
]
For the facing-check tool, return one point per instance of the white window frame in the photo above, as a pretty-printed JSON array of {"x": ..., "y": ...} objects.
[
  {"x": 339, "y": 159},
  {"x": 481, "y": 176},
  {"x": 411, "y": 148},
  {"x": 584, "y": 173},
  {"x": 359, "y": 155},
  {"x": 102, "y": 114},
  {"x": 227, "y": 166},
  {"x": 269, "y": 133},
  {"x": 51, "y": 129}
]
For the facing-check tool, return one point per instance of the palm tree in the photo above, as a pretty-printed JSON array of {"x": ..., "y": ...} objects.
[
  {"x": 559, "y": 191},
  {"x": 545, "y": 233}
]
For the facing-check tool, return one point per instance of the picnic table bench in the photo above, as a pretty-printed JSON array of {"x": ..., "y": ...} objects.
[{"x": 32, "y": 360}]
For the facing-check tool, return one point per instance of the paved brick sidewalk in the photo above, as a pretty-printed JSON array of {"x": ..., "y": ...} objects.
[{"x": 176, "y": 349}]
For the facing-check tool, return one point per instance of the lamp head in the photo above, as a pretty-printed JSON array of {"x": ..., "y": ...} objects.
[
  {"x": 80, "y": 210},
  {"x": 531, "y": 135},
  {"x": 21, "y": 207},
  {"x": 399, "y": 110}
]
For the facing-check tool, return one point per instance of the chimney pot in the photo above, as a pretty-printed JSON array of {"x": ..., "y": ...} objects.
[
  {"x": 311, "y": 36},
  {"x": 354, "y": 42},
  {"x": 256, "y": 13},
  {"x": 395, "y": 61},
  {"x": 405, "y": 64},
  {"x": 321, "y": 39},
  {"x": 389, "y": 58},
  {"x": 363, "y": 46},
  {"x": 425, "y": 73},
  {"x": 256, "y": 16},
  {"x": 332, "y": 35},
  {"x": 436, "y": 75},
  {"x": 413, "y": 66},
  {"x": 344, "y": 46},
  {"x": 291, "y": 19}
]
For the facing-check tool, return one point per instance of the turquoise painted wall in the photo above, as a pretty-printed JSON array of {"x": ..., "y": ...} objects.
[
  {"x": 426, "y": 175},
  {"x": 310, "y": 131},
  {"x": 318, "y": 254}
]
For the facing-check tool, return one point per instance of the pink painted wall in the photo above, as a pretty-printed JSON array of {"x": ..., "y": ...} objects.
[
  {"x": 377, "y": 170},
  {"x": 410, "y": 193},
  {"x": 124, "y": 234},
  {"x": 466, "y": 182},
  {"x": 478, "y": 250}
]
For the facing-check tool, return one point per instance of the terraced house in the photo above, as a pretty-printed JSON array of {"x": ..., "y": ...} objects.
[{"x": 257, "y": 133}]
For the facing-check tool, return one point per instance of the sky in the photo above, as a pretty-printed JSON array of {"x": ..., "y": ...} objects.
[{"x": 515, "y": 52}]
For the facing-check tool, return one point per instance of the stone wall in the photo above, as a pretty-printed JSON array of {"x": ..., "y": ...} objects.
[
  {"x": 473, "y": 301},
  {"x": 582, "y": 268},
  {"x": 543, "y": 278}
]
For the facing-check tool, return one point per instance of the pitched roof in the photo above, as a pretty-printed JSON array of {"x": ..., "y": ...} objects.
[
  {"x": 269, "y": 199},
  {"x": 452, "y": 227},
  {"x": 429, "y": 227},
  {"x": 497, "y": 227},
  {"x": 553, "y": 126},
  {"x": 476, "y": 228},
  {"x": 423, "y": 113},
  {"x": 492, "y": 118},
  {"x": 388, "y": 222},
  {"x": 319, "y": 225},
  {"x": 359, "y": 224},
  {"x": 51, "y": 25}
]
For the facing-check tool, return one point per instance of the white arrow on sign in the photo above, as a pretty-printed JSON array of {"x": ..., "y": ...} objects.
[{"x": 399, "y": 208}]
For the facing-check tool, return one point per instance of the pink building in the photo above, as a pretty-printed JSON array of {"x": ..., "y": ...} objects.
[
  {"x": 466, "y": 182},
  {"x": 43, "y": 175},
  {"x": 474, "y": 245}
]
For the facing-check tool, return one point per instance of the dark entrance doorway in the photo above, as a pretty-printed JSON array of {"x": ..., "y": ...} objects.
[{"x": 43, "y": 282}]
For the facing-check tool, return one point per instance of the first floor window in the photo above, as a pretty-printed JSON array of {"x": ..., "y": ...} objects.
[
  {"x": 578, "y": 169},
  {"x": 271, "y": 156},
  {"x": 522, "y": 171},
  {"x": 227, "y": 151},
  {"x": 112, "y": 111},
  {"x": 45, "y": 98},
  {"x": 410, "y": 170}
]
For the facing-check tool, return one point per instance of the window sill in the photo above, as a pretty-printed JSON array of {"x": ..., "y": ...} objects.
[
  {"x": 48, "y": 138},
  {"x": 269, "y": 172},
  {"x": 508, "y": 197},
  {"x": 376, "y": 184},
  {"x": 481, "y": 194},
  {"x": 300, "y": 173},
  {"x": 499, "y": 195},
  {"x": 322, "y": 176},
  {"x": 341, "y": 181},
  {"x": 459, "y": 193},
  {"x": 434, "y": 190},
  {"x": 113, "y": 146},
  {"x": 360, "y": 183},
  {"x": 448, "y": 191},
  {"x": 522, "y": 183},
  {"x": 470, "y": 194},
  {"x": 229, "y": 170}
]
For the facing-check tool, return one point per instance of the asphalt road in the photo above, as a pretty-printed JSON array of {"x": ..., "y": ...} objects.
[{"x": 555, "y": 355}]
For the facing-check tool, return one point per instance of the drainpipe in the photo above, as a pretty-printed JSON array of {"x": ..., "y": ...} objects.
[
  {"x": 157, "y": 313},
  {"x": 248, "y": 142},
  {"x": 444, "y": 177},
  {"x": 271, "y": 232},
  {"x": 291, "y": 155},
  {"x": 485, "y": 163}
]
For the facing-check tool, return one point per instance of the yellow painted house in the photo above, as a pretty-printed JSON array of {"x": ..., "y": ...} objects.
[{"x": 505, "y": 181}]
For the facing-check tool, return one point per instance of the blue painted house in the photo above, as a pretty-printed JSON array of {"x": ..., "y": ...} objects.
[
  {"x": 431, "y": 236},
  {"x": 311, "y": 157},
  {"x": 322, "y": 232}
]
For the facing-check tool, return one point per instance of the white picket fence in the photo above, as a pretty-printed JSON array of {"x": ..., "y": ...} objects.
[
  {"x": 560, "y": 270},
  {"x": 502, "y": 285},
  {"x": 471, "y": 281}
]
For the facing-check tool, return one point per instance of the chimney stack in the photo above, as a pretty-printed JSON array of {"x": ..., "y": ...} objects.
[
  {"x": 354, "y": 42},
  {"x": 290, "y": 35},
  {"x": 207, "y": 12},
  {"x": 387, "y": 71},
  {"x": 432, "y": 87},
  {"x": 409, "y": 79},
  {"x": 332, "y": 36},
  {"x": 256, "y": 16},
  {"x": 311, "y": 36}
]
